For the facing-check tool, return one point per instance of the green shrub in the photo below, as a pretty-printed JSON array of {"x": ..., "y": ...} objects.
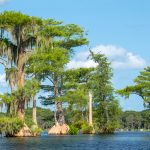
[
  {"x": 79, "y": 124},
  {"x": 86, "y": 129},
  {"x": 10, "y": 126},
  {"x": 29, "y": 122},
  {"x": 2, "y": 114},
  {"x": 45, "y": 118},
  {"x": 109, "y": 127},
  {"x": 73, "y": 130},
  {"x": 36, "y": 130}
]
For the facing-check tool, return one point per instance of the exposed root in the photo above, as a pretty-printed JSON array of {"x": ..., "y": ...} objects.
[
  {"x": 24, "y": 132},
  {"x": 59, "y": 129}
]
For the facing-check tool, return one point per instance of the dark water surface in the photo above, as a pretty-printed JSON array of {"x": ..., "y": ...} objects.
[{"x": 117, "y": 141}]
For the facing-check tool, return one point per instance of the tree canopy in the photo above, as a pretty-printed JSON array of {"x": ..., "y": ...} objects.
[{"x": 141, "y": 87}]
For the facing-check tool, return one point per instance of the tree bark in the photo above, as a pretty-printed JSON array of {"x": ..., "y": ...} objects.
[
  {"x": 20, "y": 83},
  {"x": 59, "y": 114},
  {"x": 11, "y": 107},
  {"x": 90, "y": 109},
  {"x": 34, "y": 111},
  {"x": 25, "y": 131},
  {"x": 60, "y": 127},
  {"x": 20, "y": 109}
]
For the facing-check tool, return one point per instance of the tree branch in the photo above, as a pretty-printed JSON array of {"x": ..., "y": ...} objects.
[
  {"x": 50, "y": 80},
  {"x": 3, "y": 64},
  {"x": 3, "y": 60}
]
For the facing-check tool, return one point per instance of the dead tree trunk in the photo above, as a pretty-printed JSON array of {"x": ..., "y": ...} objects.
[
  {"x": 34, "y": 111},
  {"x": 90, "y": 109}
]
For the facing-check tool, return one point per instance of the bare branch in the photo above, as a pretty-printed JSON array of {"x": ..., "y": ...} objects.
[
  {"x": 3, "y": 60},
  {"x": 50, "y": 80},
  {"x": 3, "y": 64}
]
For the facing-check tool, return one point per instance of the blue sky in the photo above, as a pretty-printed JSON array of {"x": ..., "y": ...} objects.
[{"x": 120, "y": 29}]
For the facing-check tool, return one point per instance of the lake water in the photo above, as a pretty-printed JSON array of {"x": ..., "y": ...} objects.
[{"x": 117, "y": 141}]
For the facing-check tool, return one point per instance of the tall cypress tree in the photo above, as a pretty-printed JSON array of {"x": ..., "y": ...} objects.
[
  {"x": 20, "y": 29},
  {"x": 106, "y": 107},
  {"x": 55, "y": 47}
]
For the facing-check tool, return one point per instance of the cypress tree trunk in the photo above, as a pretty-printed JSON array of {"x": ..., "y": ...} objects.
[
  {"x": 20, "y": 109},
  {"x": 11, "y": 107},
  {"x": 21, "y": 102},
  {"x": 60, "y": 127},
  {"x": 59, "y": 114},
  {"x": 25, "y": 131},
  {"x": 34, "y": 111},
  {"x": 90, "y": 109}
]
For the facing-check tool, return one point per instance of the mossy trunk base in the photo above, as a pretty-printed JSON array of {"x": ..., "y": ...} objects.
[
  {"x": 59, "y": 129},
  {"x": 24, "y": 132}
]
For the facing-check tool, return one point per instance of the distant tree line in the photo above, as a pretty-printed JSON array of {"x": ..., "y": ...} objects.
[{"x": 132, "y": 120}]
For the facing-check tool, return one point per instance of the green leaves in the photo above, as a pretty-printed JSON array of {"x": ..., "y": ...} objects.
[
  {"x": 30, "y": 88},
  {"x": 22, "y": 93},
  {"x": 6, "y": 98},
  {"x": 100, "y": 80},
  {"x": 141, "y": 87},
  {"x": 106, "y": 107},
  {"x": 10, "y": 18},
  {"x": 37, "y": 47},
  {"x": 10, "y": 126}
]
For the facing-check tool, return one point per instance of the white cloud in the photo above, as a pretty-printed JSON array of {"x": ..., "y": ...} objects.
[
  {"x": 3, "y": 1},
  {"x": 80, "y": 64},
  {"x": 119, "y": 57},
  {"x": 2, "y": 80}
]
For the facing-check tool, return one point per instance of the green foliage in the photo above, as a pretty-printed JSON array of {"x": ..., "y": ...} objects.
[
  {"x": 36, "y": 130},
  {"x": 32, "y": 87},
  {"x": 107, "y": 116},
  {"x": 45, "y": 118},
  {"x": 145, "y": 115},
  {"x": 29, "y": 120},
  {"x": 109, "y": 127},
  {"x": 100, "y": 80},
  {"x": 41, "y": 48},
  {"x": 141, "y": 87},
  {"x": 6, "y": 98},
  {"x": 132, "y": 120},
  {"x": 55, "y": 44},
  {"x": 22, "y": 29},
  {"x": 10, "y": 18},
  {"x": 80, "y": 75},
  {"x": 78, "y": 124},
  {"x": 2, "y": 114},
  {"x": 10, "y": 126},
  {"x": 73, "y": 130},
  {"x": 22, "y": 93},
  {"x": 106, "y": 108},
  {"x": 75, "y": 93},
  {"x": 86, "y": 129}
]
